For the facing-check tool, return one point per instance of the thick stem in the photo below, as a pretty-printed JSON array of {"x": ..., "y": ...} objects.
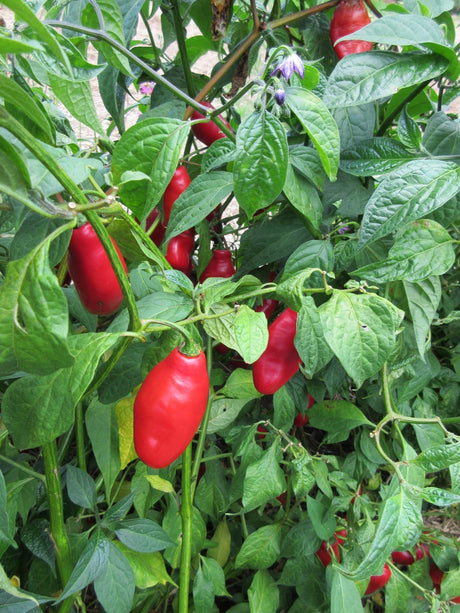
[
  {"x": 58, "y": 530},
  {"x": 186, "y": 516}
]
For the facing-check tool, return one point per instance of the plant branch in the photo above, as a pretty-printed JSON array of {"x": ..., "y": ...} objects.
[
  {"x": 387, "y": 122},
  {"x": 186, "y": 517},
  {"x": 179, "y": 29}
]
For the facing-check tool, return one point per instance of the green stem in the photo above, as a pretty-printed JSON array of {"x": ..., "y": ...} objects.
[
  {"x": 80, "y": 436},
  {"x": 145, "y": 238},
  {"x": 179, "y": 29},
  {"x": 23, "y": 468},
  {"x": 109, "y": 247},
  {"x": 186, "y": 516},
  {"x": 58, "y": 530},
  {"x": 387, "y": 122}
]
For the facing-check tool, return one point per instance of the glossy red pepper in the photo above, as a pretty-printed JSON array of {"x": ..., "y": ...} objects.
[
  {"x": 220, "y": 265},
  {"x": 158, "y": 233},
  {"x": 169, "y": 407},
  {"x": 179, "y": 251},
  {"x": 436, "y": 575},
  {"x": 349, "y": 16},
  {"x": 280, "y": 360},
  {"x": 376, "y": 582},
  {"x": 324, "y": 551},
  {"x": 407, "y": 558},
  {"x": 92, "y": 273},
  {"x": 208, "y": 132},
  {"x": 301, "y": 419}
]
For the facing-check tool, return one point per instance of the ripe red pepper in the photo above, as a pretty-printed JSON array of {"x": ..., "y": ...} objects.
[
  {"x": 208, "y": 132},
  {"x": 169, "y": 407},
  {"x": 92, "y": 273},
  {"x": 378, "y": 581},
  {"x": 280, "y": 360},
  {"x": 407, "y": 558},
  {"x": 301, "y": 419},
  {"x": 179, "y": 251},
  {"x": 349, "y": 16},
  {"x": 324, "y": 551},
  {"x": 436, "y": 575},
  {"x": 220, "y": 265}
]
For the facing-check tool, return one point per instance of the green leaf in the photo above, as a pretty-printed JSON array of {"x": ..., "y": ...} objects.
[
  {"x": 261, "y": 549},
  {"x": 38, "y": 409},
  {"x": 257, "y": 491},
  {"x": 398, "y": 597},
  {"x": 366, "y": 77},
  {"x": 375, "y": 156},
  {"x": 344, "y": 594},
  {"x": 441, "y": 135},
  {"x": 251, "y": 333},
  {"x": 409, "y": 132},
  {"x": 423, "y": 298},
  {"x": 14, "y": 45},
  {"x": 307, "y": 162},
  {"x": 309, "y": 340},
  {"x": 361, "y": 331},
  {"x": 322, "y": 519},
  {"x": 33, "y": 315},
  {"x": 240, "y": 384},
  {"x": 220, "y": 153},
  {"x": 102, "y": 428},
  {"x": 422, "y": 249},
  {"x": 17, "y": 96},
  {"x": 319, "y": 124},
  {"x": 142, "y": 535},
  {"x": 200, "y": 198},
  {"x": 260, "y": 165},
  {"x": 222, "y": 328},
  {"x": 5, "y": 530},
  {"x": 337, "y": 417},
  {"x": 224, "y": 412},
  {"x": 77, "y": 98},
  {"x": 91, "y": 564},
  {"x": 81, "y": 488},
  {"x": 152, "y": 146},
  {"x": 209, "y": 582},
  {"x": 303, "y": 196},
  {"x": 439, "y": 497},
  {"x": 114, "y": 586},
  {"x": 149, "y": 568},
  {"x": 406, "y": 194},
  {"x": 263, "y": 593},
  {"x": 438, "y": 457}
]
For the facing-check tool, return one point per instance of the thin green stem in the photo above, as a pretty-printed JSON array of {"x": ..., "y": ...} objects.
[
  {"x": 387, "y": 122},
  {"x": 186, "y": 517},
  {"x": 58, "y": 530},
  {"x": 145, "y": 238},
  {"x": 179, "y": 29},
  {"x": 108, "y": 366},
  {"x": 23, "y": 468},
  {"x": 80, "y": 436}
]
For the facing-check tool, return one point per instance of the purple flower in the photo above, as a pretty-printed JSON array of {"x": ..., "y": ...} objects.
[
  {"x": 289, "y": 65},
  {"x": 146, "y": 87},
  {"x": 343, "y": 229},
  {"x": 280, "y": 96}
]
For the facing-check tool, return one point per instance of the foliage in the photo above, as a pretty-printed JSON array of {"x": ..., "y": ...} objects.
[{"x": 337, "y": 189}]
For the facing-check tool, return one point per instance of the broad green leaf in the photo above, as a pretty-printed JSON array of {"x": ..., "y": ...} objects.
[
  {"x": 361, "y": 331},
  {"x": 322, "y": 518},
  {"x": 220, "y": 153},
  {"x": 422, "y": 249},
  {"x": 158, "y": 483},
  {"x": 423, "y": 299},
  {"x": 303, "y": 196},
  {"x": 124, "y": 414},
  {"x": 81, "y": 488},
  {"x": 76, "y": 96},
  {"x": 311, "y": 254},
  {"x": 260, "y": 166},
  {"x": 223, "y": 538},
  {"x": 366, "y": 77},
  {"x": 398, "y": 596},
  {"x": 5, "y": 530},
  {"x": 102, "y": 428},
  {"x": 209, "y": 582},
  {"x": 143, "y": 535},
  {"x": 309, "y": 340},
  {"x": 240, "y": 384},
  {"x": 344, "y": 594},
  {"x": 115, "y": 585},
  {"x": 438, "y": 497},
  {"x": 441, "y": 135},
  {"x": 355, "y": 123},
  {"x": 91, "y": 564},
  {"x": 38, "y": 409},
  {"x": 222, "y": 328},
  {"x": 406, "y": 194},
  {"x": 14, "y": 45},
  {"x": 251, "y": 333},
  {"x": 149, "y": 568},
  {"x": 337, "y": 417},
  {"x": 152, "y": 146},
  {"x": 409, "y": 131},
  {"x": 257, "y": 491},
  {"x": 261, "y": 549},
  {"x": 307, "y": 162},
  {"x": 263, "y": 593},
  {"x": 438, "y": 457},
  {"x": 7, "y": 586},
  {"x": 33, "y": 315},
  {"x": 224, "y": 412},
  {"x": 17, "y": 96},
  {"x": 375, "y": 156},
  {"x": 201, "y": 197},
  {"x": 45, "y": 34},
  {"x": 319, "y": 124}
]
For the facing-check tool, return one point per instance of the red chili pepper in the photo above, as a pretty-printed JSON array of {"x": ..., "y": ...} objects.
[
  {"x": 349, "y": 16},
  {"x": 169, "y": 407},
  {"x": 92, "y": 273},
  {"x": 179, "y": 251},
  {"x": 220, "y": 265},
  {"x": 158, "y": 234},
  {"x": 208, "y": 132},
  {"x": 407, "y": 558},
  {"x": 378, "y": 581},
  {"x": 436, "y": 575},
  {"x": 324, "y": 551},
  {"x": 280, "y": 360},
  {"x": 301, "y": 419}
]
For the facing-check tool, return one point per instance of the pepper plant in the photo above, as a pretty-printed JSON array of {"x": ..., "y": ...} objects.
[{"x": 334, "y": 184}]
